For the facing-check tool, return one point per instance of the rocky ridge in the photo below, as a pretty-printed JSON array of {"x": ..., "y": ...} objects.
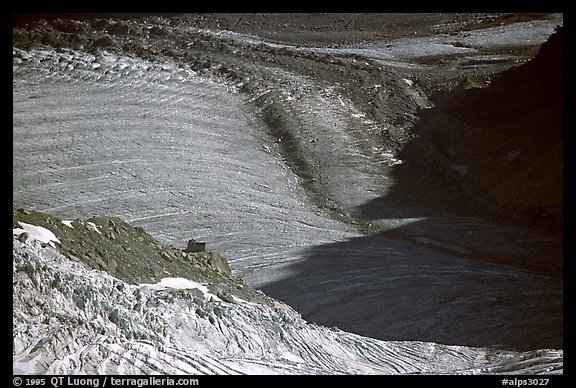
[{"x": 130, "y": 254}]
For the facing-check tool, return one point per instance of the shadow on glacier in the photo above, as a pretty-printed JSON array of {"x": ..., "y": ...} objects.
[
  {"x": 442, "y": 260},
  {"x": 435, "y": 266},
  {"x": 395, "y": 290},
  {"x": 442, "y": 264}
]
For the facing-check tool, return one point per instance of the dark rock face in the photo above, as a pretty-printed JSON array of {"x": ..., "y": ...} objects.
[{"x": 498, "y": 150}]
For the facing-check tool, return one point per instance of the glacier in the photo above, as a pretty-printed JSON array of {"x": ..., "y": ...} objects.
[
  {"x": 69, "y": 319},
  {"x": 277, "y": 155}
]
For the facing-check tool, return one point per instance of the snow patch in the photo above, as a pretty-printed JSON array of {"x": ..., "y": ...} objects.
[
  {"x": 36, "y": 232},
  {"x": 180, "y": 284},
  {"x": 68, "y": 223},
  {"x": 93, "y": 227},
  {"x": 240, "y": 300}
]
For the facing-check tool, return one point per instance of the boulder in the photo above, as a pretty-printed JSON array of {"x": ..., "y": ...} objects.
[{"x": 218, "y": 263}]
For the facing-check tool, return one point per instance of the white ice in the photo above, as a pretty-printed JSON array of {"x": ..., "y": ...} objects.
[
  {"x": 93, "y": 227},
  {"x": 36, "y": 232}
]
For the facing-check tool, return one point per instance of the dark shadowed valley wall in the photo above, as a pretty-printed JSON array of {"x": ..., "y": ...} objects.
[{"x": 495, "y": 151}]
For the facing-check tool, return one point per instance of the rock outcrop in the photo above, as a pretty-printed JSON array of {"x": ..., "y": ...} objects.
[{"x": 132, "y": 255}]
